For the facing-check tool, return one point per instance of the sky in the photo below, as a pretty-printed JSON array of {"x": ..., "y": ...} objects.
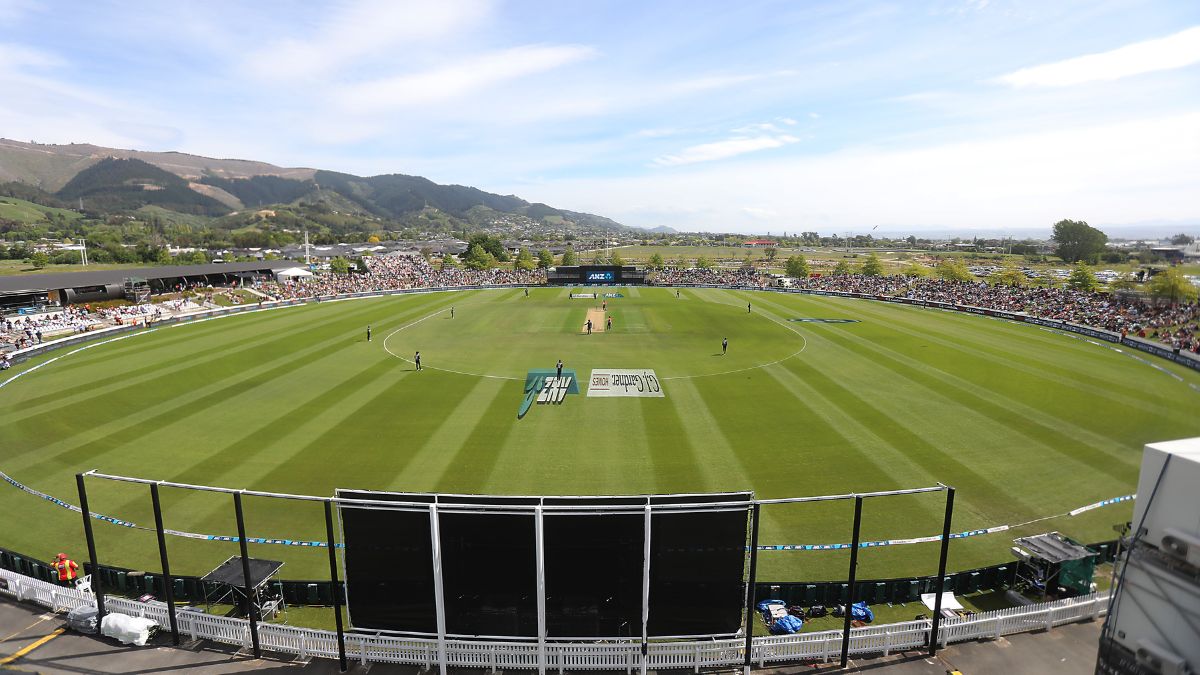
[{"x": 836, "y": 117}]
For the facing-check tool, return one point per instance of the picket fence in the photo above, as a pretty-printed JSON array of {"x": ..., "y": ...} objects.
[{"x": 563, "y": 656}]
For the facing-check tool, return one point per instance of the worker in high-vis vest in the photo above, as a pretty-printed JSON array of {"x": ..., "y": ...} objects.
[{"x": 68, "y": 571}]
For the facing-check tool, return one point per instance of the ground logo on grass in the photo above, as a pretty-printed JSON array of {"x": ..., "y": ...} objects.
[
  {"x": 639, "y": 382},
  {"x": 544, "y": 386}
]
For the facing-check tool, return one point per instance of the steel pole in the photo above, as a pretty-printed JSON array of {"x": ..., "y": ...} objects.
[
  {"x": 246, "y": 588},
  {"x": 337, "y": 586},
  {"x": 97, "y": 586},
  {"x": 750, "y": 582},
  {"x": 858, "y": 502},
  {"x": 941, "y": 577},
  {"x": 168, "y": 580}
]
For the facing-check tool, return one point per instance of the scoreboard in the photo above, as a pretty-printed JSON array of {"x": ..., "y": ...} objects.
[{"x": 602, "y": 275}]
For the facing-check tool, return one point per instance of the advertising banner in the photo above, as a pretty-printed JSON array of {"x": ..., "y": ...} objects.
[{"x": 639, "y": 382}]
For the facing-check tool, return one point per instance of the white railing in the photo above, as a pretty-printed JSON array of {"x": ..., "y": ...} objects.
[{"x": 564, "y": 656}]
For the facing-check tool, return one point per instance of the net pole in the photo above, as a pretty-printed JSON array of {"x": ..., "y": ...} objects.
[
  {"x": 337, "y": 586},
  {"x": 941, "y": 577},
  {"x": 750, "y": 587},
  {"x": 168, "y": 580},
  {"x": 246, "y": 587},
  {"x": 97, "y": 586},
  {"x": 858, "y": 501}
]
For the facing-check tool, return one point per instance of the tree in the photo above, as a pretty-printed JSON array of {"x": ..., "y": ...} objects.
[
  {"x": 872, "y": 266},
  {"x": 426, "y": 253},
  {"x": 1009, "y": 275},
  {"x": 568, "y": 256},
  {"x": 1125, "y": 282},
  {"x": 704, "y": 263},
  {"x": 374, "y": 239},
  {"x": 656, "y": 262},
  {"x": 545, "y": 259},
  {"x": 953, "y": 270},
  {"x": 1081, "y": 278},
  {"x": 1182, "y": 239},
  {"x": 598, "y": 260},
  {"x": 524, "y": 261},
  {"x": 39, "y": 260},
  {"x": 1171, "y": 285},
  {"x": 617, "y": 259},
  {"x": 339, "y": 266},
  {"x": 771, "y": 253},
  {"x": 1078, "y": 241},
  {"x": 162, "y": 257},
  {"x": 916, "y": 271},
  {"x": 477, "y": 258},
  {"x": 842, "y": 268},
  {"x": 796, "y": 266},
  {"x": 490, "y": 244},
  {"x": 199, "y": 258}
]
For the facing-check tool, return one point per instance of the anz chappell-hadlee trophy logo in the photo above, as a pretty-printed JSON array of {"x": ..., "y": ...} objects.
[{"x": 546, "y": 386}]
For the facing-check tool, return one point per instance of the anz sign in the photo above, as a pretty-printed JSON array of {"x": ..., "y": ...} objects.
[{"x": 599, "y": 276}]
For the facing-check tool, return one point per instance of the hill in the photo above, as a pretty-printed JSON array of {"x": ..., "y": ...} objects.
[{"x": 193, "y": 184}]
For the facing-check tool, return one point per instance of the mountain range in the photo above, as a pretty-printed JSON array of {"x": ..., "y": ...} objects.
[{"x": 111, "y": 180}]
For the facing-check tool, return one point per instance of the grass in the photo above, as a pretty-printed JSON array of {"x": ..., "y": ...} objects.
[
  {"x": 22, "y": 211},
  {"x": 1025, "y": 423}
]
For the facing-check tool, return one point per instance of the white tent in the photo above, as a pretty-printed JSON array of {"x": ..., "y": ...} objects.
[{"x": 291, "y": 274}]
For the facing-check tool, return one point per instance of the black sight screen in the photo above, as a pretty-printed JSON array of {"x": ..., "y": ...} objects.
[
  {"x": 489, "y": 574},
  {"x": 697, "y": 566},
  {"x": 389, "y": 570},
  {"x": 594, "y": 575}
]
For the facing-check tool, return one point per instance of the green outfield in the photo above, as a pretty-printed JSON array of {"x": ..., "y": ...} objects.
[{"x": 1025, "y": 422}]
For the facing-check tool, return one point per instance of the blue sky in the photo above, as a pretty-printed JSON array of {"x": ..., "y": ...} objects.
[{"x": 750, "y": 116}]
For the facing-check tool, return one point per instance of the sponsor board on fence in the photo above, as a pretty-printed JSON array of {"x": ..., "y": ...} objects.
[
  {"x": 812, "y": 320},
  {"x": 583, "y": 296},
  {"x": 637, "y": 382}
]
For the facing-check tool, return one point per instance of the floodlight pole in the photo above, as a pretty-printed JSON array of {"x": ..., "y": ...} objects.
[
  {"x": 97, "y": 585},
  {"x": 941, "y": 578},
  {"x": 168, "y": 580},
  {"x": 858, "y": 502},
  {"x": 750, "y": 587},
  {"x": 246, "y": 587},
  {"x": 337, "y": 586}
]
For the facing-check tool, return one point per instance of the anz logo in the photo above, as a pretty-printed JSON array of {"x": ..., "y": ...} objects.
[{"x": 599, "y": 276}]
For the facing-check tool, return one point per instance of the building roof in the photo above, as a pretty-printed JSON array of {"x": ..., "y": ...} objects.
[
  {"x": 1053, "y": 547},
  {"x": 40, "y": 283}
]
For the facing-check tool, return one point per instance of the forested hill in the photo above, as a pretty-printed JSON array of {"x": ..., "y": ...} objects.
[{"x": 115, "y": 185}]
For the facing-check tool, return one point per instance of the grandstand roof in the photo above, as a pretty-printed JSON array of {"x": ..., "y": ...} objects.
[{"x": 37, "y": 283}]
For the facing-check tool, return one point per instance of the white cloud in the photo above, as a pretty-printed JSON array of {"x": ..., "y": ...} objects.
[
  {"x": 759, "y": 212},
  {"x": 730, "y": 147},
  {"x": 466, "y": 77},
  {"x": 14, "y": 57},
  {"x": 1174, "y": 51},
  {"x": 722, "y": 81},
  {"x": 814, "y": 116},
  {"x": 1133, "y": 171},
  {"x": 364, "y": 28}
]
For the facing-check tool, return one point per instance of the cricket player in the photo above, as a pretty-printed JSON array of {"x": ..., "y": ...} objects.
[
  {"x": 559, "y": 369},
  {"x": 368, "y": 333},
  {"x": 417, "y": 360},
  {"x": 589, "y": 326},
  {"x": 724, "y": 346}
]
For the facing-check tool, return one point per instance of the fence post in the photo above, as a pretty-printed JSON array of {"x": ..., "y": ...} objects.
[
  {"x": 755, "y": 512},
  {"x": 168, "y": 580},
  {"x": 887, "y": 640}
]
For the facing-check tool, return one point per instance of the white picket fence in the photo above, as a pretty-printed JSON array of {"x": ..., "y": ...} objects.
[{"x": 567, "y": 656}]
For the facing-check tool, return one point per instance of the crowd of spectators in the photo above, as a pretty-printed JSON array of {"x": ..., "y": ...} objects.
[
  {"x": 1174, "y": 325},
  {"x": 398, "y": 271},
  {"x": 18, "y": 332},
  {"x": 723, "y": 277}
]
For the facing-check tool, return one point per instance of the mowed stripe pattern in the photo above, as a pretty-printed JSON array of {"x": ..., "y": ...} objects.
[{"x": 1025, "y": 423}]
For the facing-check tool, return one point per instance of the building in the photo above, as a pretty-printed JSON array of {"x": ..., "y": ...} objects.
[{"x": 34, "y": 291}]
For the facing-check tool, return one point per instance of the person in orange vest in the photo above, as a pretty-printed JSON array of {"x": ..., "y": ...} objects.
[{"x": 67, "y": 570}]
